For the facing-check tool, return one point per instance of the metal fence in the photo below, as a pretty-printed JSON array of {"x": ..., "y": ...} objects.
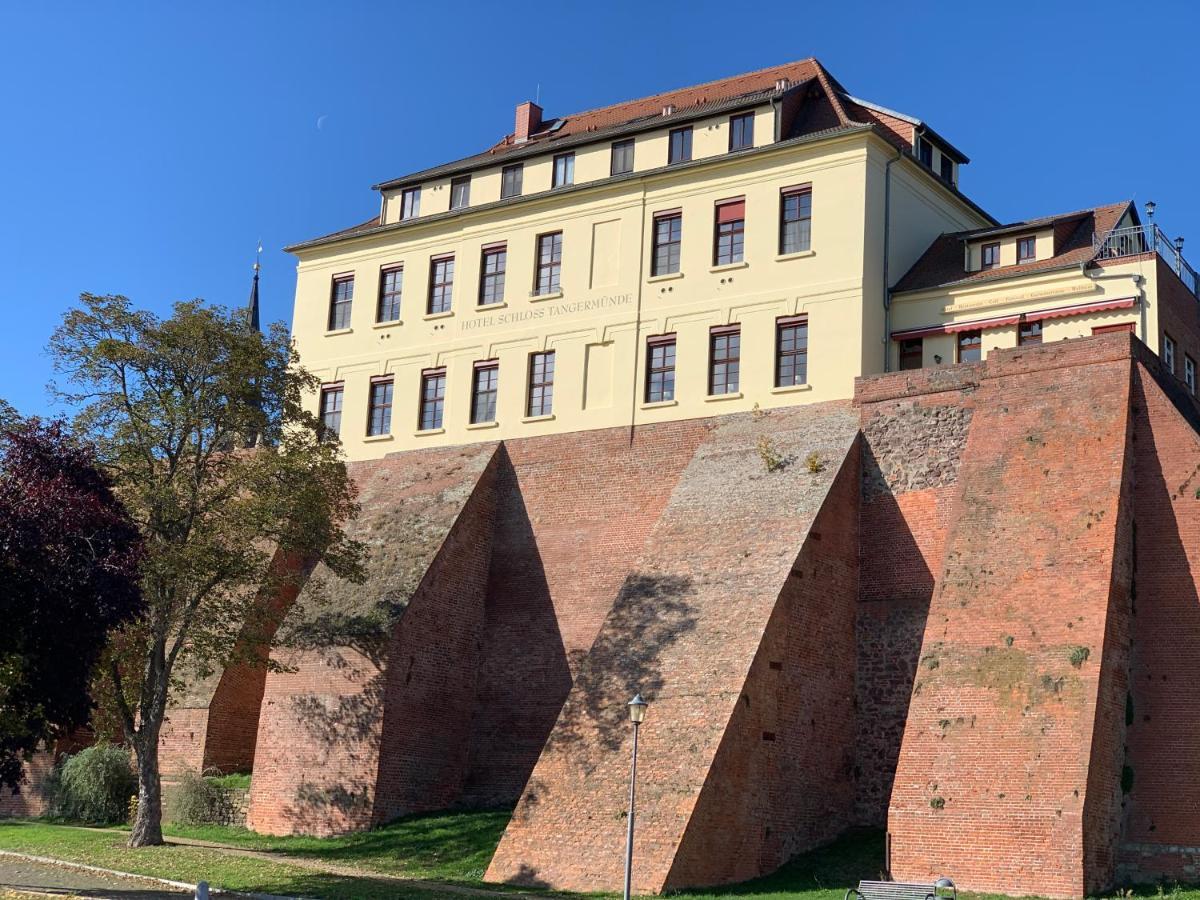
[{"x": 1146, "y": 239}]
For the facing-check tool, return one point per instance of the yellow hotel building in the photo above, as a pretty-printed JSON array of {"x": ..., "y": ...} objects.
[{"x": 761, "y": 240}]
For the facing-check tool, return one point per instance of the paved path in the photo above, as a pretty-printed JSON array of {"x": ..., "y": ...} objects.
[{"x": 46, "y": 878}]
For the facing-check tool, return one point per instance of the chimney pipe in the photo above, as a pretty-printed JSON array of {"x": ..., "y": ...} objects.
[{"x": 529, "y": 120}]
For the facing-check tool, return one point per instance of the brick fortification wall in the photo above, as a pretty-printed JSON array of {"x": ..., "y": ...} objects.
[{"x": 712, "y": 625}]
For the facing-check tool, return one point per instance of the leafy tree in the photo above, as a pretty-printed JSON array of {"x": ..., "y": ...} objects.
[
  {"x": 170, "y": 403},
  {"x": 69, "y": 558}
]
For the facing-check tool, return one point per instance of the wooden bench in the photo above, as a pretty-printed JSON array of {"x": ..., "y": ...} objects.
[{"x": 900, "y": 890}]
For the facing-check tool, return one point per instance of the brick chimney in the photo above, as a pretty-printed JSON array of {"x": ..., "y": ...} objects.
[{"x": 529, "y": 120}]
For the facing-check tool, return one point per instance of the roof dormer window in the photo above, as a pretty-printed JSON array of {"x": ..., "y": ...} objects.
[
  {"x": 990, "y": 256},
  {"x": 947, "y": 169},
  {"x": 1026, "y": 249},
  {"x": 410, "y": 203},
  {"x": 925, "y": 152}
]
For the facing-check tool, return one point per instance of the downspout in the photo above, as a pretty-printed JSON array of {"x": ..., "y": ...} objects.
[
  {"x": 887, "y": 233},
  {"x": 637, "y": 322}
]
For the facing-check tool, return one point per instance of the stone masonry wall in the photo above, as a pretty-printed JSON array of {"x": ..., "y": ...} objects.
[
  {"x": 1162, "y": 830},
  {"x": 914, "y": 430},
  {"x": 323, "y": 717},
  {"x": 684, "y": 630},
  {"x": 1005, "y": 777}
]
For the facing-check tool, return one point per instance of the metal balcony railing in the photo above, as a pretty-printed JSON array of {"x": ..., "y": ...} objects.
[{"x": 1145, "y": 239}]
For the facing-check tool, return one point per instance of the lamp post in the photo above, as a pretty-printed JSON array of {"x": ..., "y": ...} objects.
[{"x": 637, "y": 712}]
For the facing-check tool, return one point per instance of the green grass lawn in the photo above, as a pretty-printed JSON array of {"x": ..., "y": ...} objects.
[
  {"x": 455, "y": 847},
  {"x": 446, "y": 847}
]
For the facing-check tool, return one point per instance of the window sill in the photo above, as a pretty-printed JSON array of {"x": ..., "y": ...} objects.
[
  {"x": 729, "y": 267},
  {"x": 717, "y": 398},
  {"x": 375, "y": 438},
  {"x": 336, "y": 331},
  {"x": 391, "y": 324},
  {"x": 660, "y": 404},
  {"x": 548, "y": 417},
  {"x": 428, "y": 432},
  {"x": 670, "y": 276},
  {"x": 791, "y": 389},
  {"x": 552, "y": 295},
  {"x": 488, "y": 307},
  {"x": 428, "y": 317},
  {"x": 476, "y": 426},
  {"x": 799, "y": 254}
]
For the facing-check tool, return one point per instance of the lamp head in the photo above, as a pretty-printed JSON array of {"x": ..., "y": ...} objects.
[
  {"x": 637, "y": 709},
  {"x": 1150, "y": 207}
]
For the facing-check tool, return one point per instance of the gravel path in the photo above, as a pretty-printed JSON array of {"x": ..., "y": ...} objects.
[{"x": 19, "y": 874}]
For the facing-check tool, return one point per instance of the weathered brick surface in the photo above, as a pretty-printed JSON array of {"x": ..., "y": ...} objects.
[
  {"x": 573, "y": 512},
  {"x": 1009, "y": 767},
  {"x": 1162, "y": 828},
  {"x": 318, "y": 767},
  {"x": 685, "y": 630}
]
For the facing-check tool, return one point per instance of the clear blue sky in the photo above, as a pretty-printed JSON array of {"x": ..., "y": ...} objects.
[{"x": 147, "y": 147}]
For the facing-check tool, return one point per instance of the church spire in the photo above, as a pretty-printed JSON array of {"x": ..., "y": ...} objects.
[{"x": 252, "y": 305}]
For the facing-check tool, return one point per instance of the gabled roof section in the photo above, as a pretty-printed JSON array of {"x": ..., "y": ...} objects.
[
  {"x": 942, "y": 264},
  {"x": 689, "y": 103}
]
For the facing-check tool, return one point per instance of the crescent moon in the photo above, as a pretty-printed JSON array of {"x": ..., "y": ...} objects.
[{"x": 321, "y": 122}]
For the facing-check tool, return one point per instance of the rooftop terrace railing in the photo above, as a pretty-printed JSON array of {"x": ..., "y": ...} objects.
[{"x": 1146, "y": 239}]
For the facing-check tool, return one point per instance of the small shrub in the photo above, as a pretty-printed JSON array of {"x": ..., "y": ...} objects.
[
  {"x": 769, "y": 454},
  {"x": 94, "y": 786},
  {"x": 814, "y": 463},
  {"x": 937, "y": 803},
  {"x": 1079, "y": 655},
  {"x": 201, "y": 801}
]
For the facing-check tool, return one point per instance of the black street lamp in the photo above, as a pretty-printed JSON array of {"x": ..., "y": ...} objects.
[{"x": 637, "y": 712}]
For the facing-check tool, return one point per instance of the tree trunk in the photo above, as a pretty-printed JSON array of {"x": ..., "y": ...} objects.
[{"x": 147, "y": 827}]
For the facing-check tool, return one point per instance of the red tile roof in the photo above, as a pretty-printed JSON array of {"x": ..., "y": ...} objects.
[{"x": 942, "y": 264}]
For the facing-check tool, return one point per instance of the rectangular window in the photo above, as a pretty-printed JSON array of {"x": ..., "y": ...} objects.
[
  {"x": 441, "y": 284},
  {"x": 668, "y": 237},
  {"x": 947, "y": 169},
  {"x": 1029, "y": 333},
  {"x": 331, "y": 410},
  {"x": 660, "y": 368},
  {"x": 912, "y": 353},
  {"x": 341, "y": 298},
  {"x": 510, "y": 181},
  {"x": 410, "y": 203},
  {"x": 729, "y": 237},
  {"x": 433, "y": 399},
  {"x": 741, "y": 131},
  {"x": 989, "y": 256},
  {"x": 549, "y": 263},
  {"x": 483, "y": 391},
  {"x": 1026, "y": 249},
  {"x": 1112, "y": 329},
  {"x": 1168, "y": 353},
  {"x": 491, "y": 274},
  {"x": 795, "y": 220},
  {"x": 460, "y": 192},
  {"x": 680, "y": 145},
  {"x": 724, "y": 359},
  {"x": 925, "y": 152},
  {"x": 970, "y": 346},
  {"x": 391, "y": 285},
  {"x": 541, "y": 384},
  {"x": 379, "y": 409},
  {"x": 564, "y": 169},
  {"x": 791, "y": 351},
  {"x": 1189, "y": 373},
  {"x": 622, "y": 157}
]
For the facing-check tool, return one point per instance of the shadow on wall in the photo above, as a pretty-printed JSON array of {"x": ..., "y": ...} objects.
[
  {"x": 524, "y": 677},
  {"x": 651, "y": 613}
]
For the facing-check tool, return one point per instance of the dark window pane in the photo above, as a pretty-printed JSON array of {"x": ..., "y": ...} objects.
[
  {"x": 622, "y": 157},
  {"x": 926, "y": 152},
  {"x": 724, "y": 362},
  {"x": 564, "y": 169},
  {"x": 680, "y": 145},
  {"x": 491, "y": 279},
  {"x": 791, "y": 354},
  {"x": 331, "y": 411},
  {"x": 947, "y": 169},
  {"x": 433, "y": 400},
  {"x": 1029, "y": 333},
  {"x": 391, "y": 285},
  {"x": 795, "y": 222},
  {"x": 410, "y": 203},
  {"x": 990, "y": 256},
  {"x": 1026, "y": 249},
  {"x": 441, "y": 284},
  {"x": 541, "y": 384},
  {"x": 660, "y": 372},
  {"x": 483, "y": 394},
  {"x": 911, "y": 353},
  {"x": 340, "y": 302},
  {"x": 379, "y": 413},
  {"x": 460, "y": 192},
  {"x": 970, "y": 346},
  {"x": 510, "y": 181},
  {"x": 741, "y": 131},
  {"x": 668, "y": 237},
  {"x": 730, "y": 240},
  {"x": 549, "y": 263}
]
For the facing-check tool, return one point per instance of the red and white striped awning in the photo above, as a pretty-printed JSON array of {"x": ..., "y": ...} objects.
[{"x": 1059, "y": 312}]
